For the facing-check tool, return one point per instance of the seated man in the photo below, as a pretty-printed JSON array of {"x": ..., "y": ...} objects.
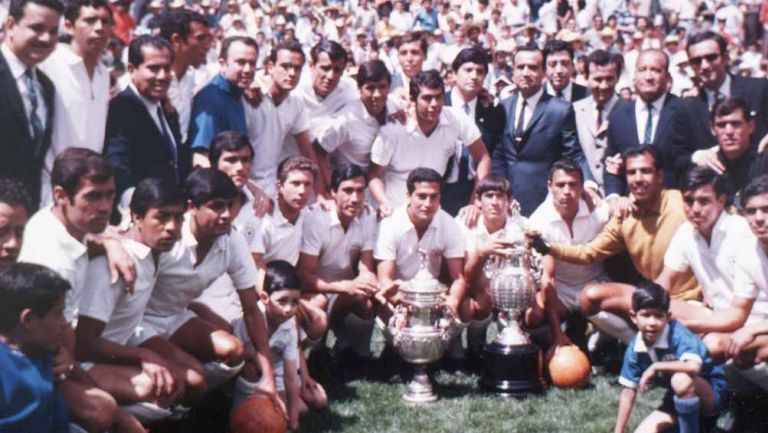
[
  {"x": 336, "y": 259},
  {"x": 32, "y": 327},
  {"x": 566, "y": 219},
  {"x": 420, "y": 234},
  {"x": 645, "y": 235},
  {"x": 14, "y": 211},
  {"x": 208, "y": 248},
  {"x": 708, "y": 244},
  {"x": 109, "y": 314}
]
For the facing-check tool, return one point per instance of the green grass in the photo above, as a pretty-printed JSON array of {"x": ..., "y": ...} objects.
[{"x": 370, "y": 406}]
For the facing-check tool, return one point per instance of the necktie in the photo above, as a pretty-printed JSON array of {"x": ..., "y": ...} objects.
[
  {"x": 34, "y": 120},
  {"x": 560, "y": 94},
  {"x": 464, "y": 161},
  {"x": 648, "y": 135},
  {"x": 599, "y": 120},
  {"x": 168, "y": 141},
  {"x": 519, "y": 125},
  {"x": 717, "y": 98}
]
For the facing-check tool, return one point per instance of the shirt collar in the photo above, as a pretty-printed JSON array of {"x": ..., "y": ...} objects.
[
  {"x": 16, "y": 66},
  {"x": 724, "y": 89},
  {"x": 71, "y": 58},
  {"x": 151, "y": 106},
  {"x": 458, "y": 101},
  {"x": 533, "y": 100},
  {"x": 74, "y": 247},
  {"x": 661, "y": 343},
  {"x": 413, "y": 126},
  {"x": 658, "y": 104},
  {"x": 405, "y": 219},
  {"x": 138, "y": 249},
  {"x": 222, "y": 83},
  {"x": 567, "y": 90}
]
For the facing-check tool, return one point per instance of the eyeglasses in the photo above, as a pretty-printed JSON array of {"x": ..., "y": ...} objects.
[{"x": 709, "y": 58}]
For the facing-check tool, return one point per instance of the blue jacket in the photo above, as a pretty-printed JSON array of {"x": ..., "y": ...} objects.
[{"x": 217, "y": 107}]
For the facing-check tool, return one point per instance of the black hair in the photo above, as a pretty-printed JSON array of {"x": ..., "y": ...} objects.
[
  {"x": 430, "y": 79},
  {"x": 135, "y": 55},
  {"x": 555, "y": 46},
  {"x": 345, "y": 172},
  {"x": 494, "y": 183},
  {"x": 287, "y": 45},
  {"x": 76, "y": 164},
  {"x": 728, "y": 105},
  {"x": 644, "y": 149},
  {"x": 154, "y": 193},
  {"x": 206, "y": 184},
  {"x": 28, "y": 286},
  {"x": 422, "y": 174},
  {"x": 698, "y": 177},
  {"x": 14, "y": 193},
  {"x": 281, "y": 275},
  {"x": 708, "y": 35},
  {"x": 372, "y": 71},
  {"x": 227, "y": 141},
  {"x": 470, "y": 55},
  {"x": 567, "y": 166},
  {"x": 179, "y": 22},
  {"x": 72, "y": 8},
  {"x": 649, "y": 295},
  {"x": 16, "y": 8},
  {"x": 227, "y": 42},
  {"x": 417, "y": 37},
  {"x": 604, "y": 58},
  {"x": 755, "y": 187},
  {"x": 333, "y": 49},
  {"x": 532, "y": 47}
]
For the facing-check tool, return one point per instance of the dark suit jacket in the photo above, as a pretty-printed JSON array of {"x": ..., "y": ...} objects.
[
  {"x": 18, "y": 159},
  {"x": 134, "y": 145},
  {"x": 578, "y": 92},
  {"x": 753, "y": 91},
  {"x": 550, "y": 135},
  {"x": 490, "y": 120},
  {"x": 622, "y": 135}
]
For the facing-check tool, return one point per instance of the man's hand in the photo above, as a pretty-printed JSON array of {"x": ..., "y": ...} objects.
[
  {"x": 470, "y": 214},
  {"x": 120, "y": 263},
  {"x": 739, "y": 341},
  {"x": 253, "y": 94},
  {"x": 63, "y": 364},
  {"x": 357, "y": 288},
  {"x": 495, "y": 246},
  {"x": 262, "y": 203},
  {"x": 621, "y": 206},
  {"x": 709, "y": 158},
  {"x": 648, "y": 375},
  {"x": 384, "y": 210},
  {"x": 614, "y": 164},
  {"x": 399, "y": 116},
  {"x": 536, "y": 242},
  {"x": 154, "y": 367},
  {"x": 591, "y": 198},
  {"x": 452, "y": 303},
  {"x": 293, "y": 417},
  {"x": 200, "y": 160}
]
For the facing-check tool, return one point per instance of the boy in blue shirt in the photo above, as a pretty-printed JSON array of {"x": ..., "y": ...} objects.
[
  {"x": 32, "y": 326},
  {"x": 667, "y": 353}
]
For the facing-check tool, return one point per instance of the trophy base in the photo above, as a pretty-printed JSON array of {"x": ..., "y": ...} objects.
[
  {"x": 419, "y": 389},
  {"x": 512, "y": 370}
]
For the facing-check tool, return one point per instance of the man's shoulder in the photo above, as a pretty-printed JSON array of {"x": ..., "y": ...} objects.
[
  {"x": 126, "y": 99},
  {"x": 582, "y": 104}
]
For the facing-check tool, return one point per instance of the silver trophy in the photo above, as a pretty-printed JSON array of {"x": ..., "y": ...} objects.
[{"x": 420, "y": 329}]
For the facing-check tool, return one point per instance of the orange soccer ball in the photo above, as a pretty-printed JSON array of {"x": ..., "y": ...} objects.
[
  {"x": 258, "y": 414},
  {"x": 569, "y": 368}
]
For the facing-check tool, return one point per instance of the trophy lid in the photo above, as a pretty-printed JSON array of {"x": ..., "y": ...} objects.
[{"x": 423, "y": 282}]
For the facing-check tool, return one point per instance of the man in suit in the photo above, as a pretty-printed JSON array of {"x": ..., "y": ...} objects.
[
  {"x": 708, "y": 56},
  {"x": 558, "y": 60},
  {"x": 26, "y": 114},
  {"x": 540, "y": 129},
  {"x": 143, "y": 138},
  {"x": 649, "y": 120},
  {"x": 470, "y": 68},
  {"x": 603, "y": 72}
]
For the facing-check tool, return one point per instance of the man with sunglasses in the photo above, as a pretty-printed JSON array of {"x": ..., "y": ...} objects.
[{"x": 708, "y": 56}]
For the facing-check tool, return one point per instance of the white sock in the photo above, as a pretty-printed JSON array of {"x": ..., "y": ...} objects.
[
  {"x": 216, "y": 373},
  {"x": 476, "y": 332},
  {"x": 613, "y": 325},
  {"x": 146, "y": 413}
]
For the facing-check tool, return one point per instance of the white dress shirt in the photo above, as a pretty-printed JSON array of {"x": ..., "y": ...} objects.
[
  {"x": 724, "y": 91},
  {"x": 180, "y": 92},
  {"x": 80, "y": 104},
  {"x": 17, "y": 71},
  {"x": 567, "y": 91},
  {"x": 641, "y": 117},
  {"x": 530, "y": 107}
]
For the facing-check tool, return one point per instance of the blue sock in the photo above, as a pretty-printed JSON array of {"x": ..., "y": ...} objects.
[{"x": 687, "y": 414}]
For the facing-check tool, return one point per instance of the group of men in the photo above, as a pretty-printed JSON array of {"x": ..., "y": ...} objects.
[{"x": 356, "y": 183}]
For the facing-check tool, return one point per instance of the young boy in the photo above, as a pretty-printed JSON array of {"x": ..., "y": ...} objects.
[
  {"x": 32, "y": 327},
  {"x": 694, "y": 384},
  {"x": 280, "y": 303}
]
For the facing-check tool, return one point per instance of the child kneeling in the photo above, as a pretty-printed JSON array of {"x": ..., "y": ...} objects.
[
  {"x": 279, "y": 302},
  {"x": 667, "y": 353}
]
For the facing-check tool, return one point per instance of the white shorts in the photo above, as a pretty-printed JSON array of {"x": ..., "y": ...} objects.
[
  {"x": 153, "y": 326},
  {"x": 569, "y": 295}
]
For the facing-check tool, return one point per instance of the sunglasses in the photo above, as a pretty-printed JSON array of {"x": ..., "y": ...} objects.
[{"x": 709, "y": 58}]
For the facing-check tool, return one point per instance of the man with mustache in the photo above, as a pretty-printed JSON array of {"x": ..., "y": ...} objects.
[
  {"x": 81, "y": 81},
  {"x": 143, "y": 138},
  {"x": 27, "y": 112},
  {"x": 645, "y": 235}
]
